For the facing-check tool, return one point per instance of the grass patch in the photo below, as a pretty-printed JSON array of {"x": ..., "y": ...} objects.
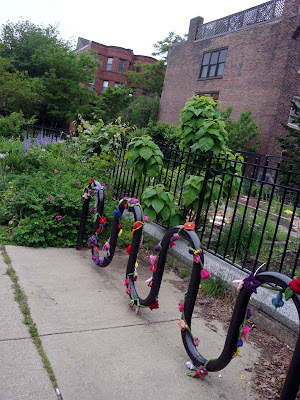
[{"x": 21, "y": 299}]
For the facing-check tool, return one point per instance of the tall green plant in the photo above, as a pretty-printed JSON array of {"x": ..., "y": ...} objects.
[
  {"x": 145, "y": 156},
  {"x": 202, "y": 127},
  {"x": 203, "y": 131}
]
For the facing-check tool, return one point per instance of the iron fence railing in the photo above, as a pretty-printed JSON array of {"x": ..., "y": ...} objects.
[
  {"x": 257, "y": 224},
  {"x": 255, "y": 15}
]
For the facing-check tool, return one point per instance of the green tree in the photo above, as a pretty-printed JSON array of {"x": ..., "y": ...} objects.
[
  {"x": 162, "y": 46},
  {"x": 18, "y": 91},
  {"x": 142, "y": 110},
  {"x": 63, "y": 73},
  {"x": 147, "y": 77},
  {"x": 112, "y": 102},
  {"x": 290, "y": 145},
  {"x": 241, "y": 133}
]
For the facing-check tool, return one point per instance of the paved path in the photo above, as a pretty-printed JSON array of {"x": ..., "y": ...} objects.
[{"x": 98, "y": 347}]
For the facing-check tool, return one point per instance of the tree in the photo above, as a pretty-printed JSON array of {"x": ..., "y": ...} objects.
[
  {"x": 18, "y": 91},
  {"x": 112, "y": 102},
  {"x": 242, "y": 131},
  {"x": 290, "y": 144},
  {"x": 147, "y": 77},
  {"x": 38, "y": 52},
  {"x": 142, "y": 110},
  {"x": 162, "y": 46}
]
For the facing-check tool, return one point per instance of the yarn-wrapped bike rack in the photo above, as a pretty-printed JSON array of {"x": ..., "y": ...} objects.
[{"x": 291, "y": 384}]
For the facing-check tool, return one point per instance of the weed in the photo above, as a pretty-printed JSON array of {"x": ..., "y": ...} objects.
[{"x": 21, "y": 299}]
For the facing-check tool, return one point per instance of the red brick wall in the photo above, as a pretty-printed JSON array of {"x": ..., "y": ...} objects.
[
  {"x": 260, "y": 73},
  {"x": 117, "y": 53}
]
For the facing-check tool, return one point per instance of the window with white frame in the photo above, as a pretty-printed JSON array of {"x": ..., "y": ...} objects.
[
  {"x": 294, "y": 117},
  {"x": 109, "y": 63},
  {"x": 104, "y": 86}
]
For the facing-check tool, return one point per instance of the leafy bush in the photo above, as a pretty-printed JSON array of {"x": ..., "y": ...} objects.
[
  {"x": 14, "y": 125},
  {"x": 202, "y": 127},
  {"x": 142, "y": 110},
  {"x": 98, "y": 138},
  {"x": 145, "y": 156},
  {"x": 161, "y": 132},
  {"x": 41, "y": 193},
  {"x": 241, "y": 132},
  {"x": 159, "y": 204}
]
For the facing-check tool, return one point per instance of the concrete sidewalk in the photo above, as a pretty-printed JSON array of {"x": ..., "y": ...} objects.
[{"x": 97, "y": 346}]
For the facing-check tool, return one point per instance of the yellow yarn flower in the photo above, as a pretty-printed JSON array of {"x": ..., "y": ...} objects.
[
  {"x": 236, "y": 352},
  {"x": 120, "y": 232}
]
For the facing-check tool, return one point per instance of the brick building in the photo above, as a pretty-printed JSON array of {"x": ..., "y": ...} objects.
[
  {"x": 115, "y": 62},
  {"x": 249, "y": 60}
]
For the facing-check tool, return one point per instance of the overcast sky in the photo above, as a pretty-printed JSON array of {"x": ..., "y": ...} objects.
[{"x": 131, "y": 24}]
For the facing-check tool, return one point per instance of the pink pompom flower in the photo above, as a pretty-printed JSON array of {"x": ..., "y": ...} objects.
[
  {"x": 246, "y": 330},
  {"x": 204, "y": 274},
  {"x": 196, "y": 258},
  {"x": 181, "y": 307},
  {"x": 153, "y": 259},
  {"x": 146, "y": 219}
]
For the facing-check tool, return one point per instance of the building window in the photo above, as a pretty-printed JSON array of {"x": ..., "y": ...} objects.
[
  {"x": 104, "y": 86},
  {"x": 214, "y": 95},
  {"x": 121, "y": 66},
  {"x": 213, "y": 63},
  {"x": 91, "y": 86},
  {"x": 117, "y": 84},
  {"x": 109, "y": 63},
  {"x": 294, "y": 118}
]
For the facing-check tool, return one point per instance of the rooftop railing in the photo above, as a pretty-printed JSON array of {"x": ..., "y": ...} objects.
[{"x": 255, "y": 15}]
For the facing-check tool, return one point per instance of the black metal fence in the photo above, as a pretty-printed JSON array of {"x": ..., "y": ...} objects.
[{"x": 255, "y": 221}]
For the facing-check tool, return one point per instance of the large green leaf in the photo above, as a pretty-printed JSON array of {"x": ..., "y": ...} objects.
[
  {"x": 158, "y": 205},
  {"x": 149, "y": 192},
  {"x": 165, "y": 213},
  {"x": 145, "y": 152},
  {"x": 149, "y": 212},
  {"x": 206, "y": 143}
]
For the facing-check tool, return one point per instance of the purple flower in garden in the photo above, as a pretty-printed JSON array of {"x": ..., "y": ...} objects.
[
  {"x": 251, "y": 283},
  {"x": 103, "y": 185},
  {"x": 58, "y": 217},
  {"x": 50, "y": 197},
  {"x": 77, "y": 183},
  {"x": 56, "y": 171},
  {"x": 249, "y": 313},
  {"x": 44, "y": 150},
  {"x": 92, "y": 241},
  {"x": 60, "y": 141}
]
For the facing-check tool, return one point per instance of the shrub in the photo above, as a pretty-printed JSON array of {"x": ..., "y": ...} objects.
[
  {"x": 241, "y": 133},
  {"x": 14, "y": 125}
]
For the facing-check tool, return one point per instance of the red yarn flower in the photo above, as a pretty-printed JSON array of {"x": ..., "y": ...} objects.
[
  {"x": 154, "y": 305},
  {"x": 102, "y": 220},
  {"x": 91, "y": 181},
  {"x": 128, "y": 249},
  {"x": 119, "y": 226}
]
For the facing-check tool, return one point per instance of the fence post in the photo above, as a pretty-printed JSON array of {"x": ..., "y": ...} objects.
[{"x": 202, "y": 193}]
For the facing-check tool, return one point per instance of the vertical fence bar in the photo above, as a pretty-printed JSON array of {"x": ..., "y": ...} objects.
[{"x": 202, "y": 193}]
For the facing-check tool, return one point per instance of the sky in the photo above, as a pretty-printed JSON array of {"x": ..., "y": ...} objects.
[{"x": 131, "y": 24}]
